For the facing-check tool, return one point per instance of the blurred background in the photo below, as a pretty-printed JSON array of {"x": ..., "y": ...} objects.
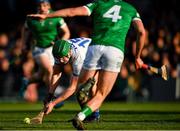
[{"x": 162, "y": 46}]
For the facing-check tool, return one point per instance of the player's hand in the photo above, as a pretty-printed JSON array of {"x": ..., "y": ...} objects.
[
  {"x": 49, "y": 107},
  {"x": 41, "y": 16},
  {"x": 138, "y": 63}
]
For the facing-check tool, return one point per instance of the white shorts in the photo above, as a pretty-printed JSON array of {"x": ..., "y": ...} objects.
[
  {"x": 100, "y": 57},
  {"x": 47, "y": 52}
]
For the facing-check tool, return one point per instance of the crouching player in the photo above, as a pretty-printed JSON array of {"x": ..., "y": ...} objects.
[{"x": 72, "y": 51}]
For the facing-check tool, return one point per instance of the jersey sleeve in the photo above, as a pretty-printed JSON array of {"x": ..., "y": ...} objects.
[
  {"x": 77, "y": 68},
  {"x": 136, "y": 15},
  {"x": 90, "y": 7},
  {"x": 62, "y": 23}
]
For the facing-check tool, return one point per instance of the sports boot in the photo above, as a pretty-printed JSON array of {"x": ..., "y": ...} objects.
[{"x": 78, "y": 124}]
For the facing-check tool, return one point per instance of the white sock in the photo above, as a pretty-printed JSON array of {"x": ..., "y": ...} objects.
[{"x": 81, "y": 116}]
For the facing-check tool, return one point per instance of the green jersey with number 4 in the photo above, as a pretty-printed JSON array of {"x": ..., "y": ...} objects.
[{"x": 111, "y": 22}]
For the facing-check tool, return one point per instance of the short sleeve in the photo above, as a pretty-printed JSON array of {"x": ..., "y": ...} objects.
[
  {"x": 62, "y": 22},
  {"x": 90, "y": 7},
  {"x": 136, "y": 15}
]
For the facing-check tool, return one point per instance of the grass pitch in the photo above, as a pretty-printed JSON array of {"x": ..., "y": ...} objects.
[{"x": 114, "y": 116}]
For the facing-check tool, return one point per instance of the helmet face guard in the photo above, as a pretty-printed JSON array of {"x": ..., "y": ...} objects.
[{"x": 61, "y": 48}]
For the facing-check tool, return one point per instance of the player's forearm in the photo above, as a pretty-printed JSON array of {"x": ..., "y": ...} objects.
[
  {"x": 59, "y": 13},
  {"x": 54, "y": 83},
  {"x": 66, "y": 32},
  {"x": 66, "y": 94},
  {"x": 66, "y": 36},
  {"x": 69, "y": 12},
  {"x": 140, "y": 43}
]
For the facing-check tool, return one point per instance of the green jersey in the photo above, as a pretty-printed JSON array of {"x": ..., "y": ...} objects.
[
  {"x": 111, "y": 22},
  {"x": 44, "y": 32}
]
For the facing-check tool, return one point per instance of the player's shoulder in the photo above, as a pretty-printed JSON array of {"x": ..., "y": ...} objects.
[
  {"x": 127, "y": 5},
  {"x": 98, "y": 2},
  {"x": 121, "y": 2},
  {"x": 94, "y": 1},
  {"x": 85, "y": 38}
]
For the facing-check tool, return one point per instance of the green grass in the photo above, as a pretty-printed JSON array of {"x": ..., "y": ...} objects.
[{"x": 114, "y": 116}]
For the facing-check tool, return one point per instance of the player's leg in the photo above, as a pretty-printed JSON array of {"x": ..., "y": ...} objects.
[
  {"x": 93, "y": 72},
  {"x": 85, "y": 85},
  {"x": 46, "y": 66},
  {"x": 28, "y": 83},
  {"x": 88, "y": 70},
  {"x": 85, "y": 82},
  {"x": 110, "y": 64},
  {"x": 95, "y": 116},
  {"x": 104, "y": 86},
  {"x": 47, "y": 62},
  {"x": 31, "y": 93},
  {"x": 34, "y": 78},
  {"x": 28, "y": 68},
  {"x": 85, "y": 75},
  {"x": 105, "y": 83}
]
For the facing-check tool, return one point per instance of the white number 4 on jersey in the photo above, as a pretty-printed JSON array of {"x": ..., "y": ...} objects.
[{"x": 113, "y": 13}]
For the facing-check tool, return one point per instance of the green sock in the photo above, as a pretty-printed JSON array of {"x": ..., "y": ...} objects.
[{"x": 86, "y": 111}]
